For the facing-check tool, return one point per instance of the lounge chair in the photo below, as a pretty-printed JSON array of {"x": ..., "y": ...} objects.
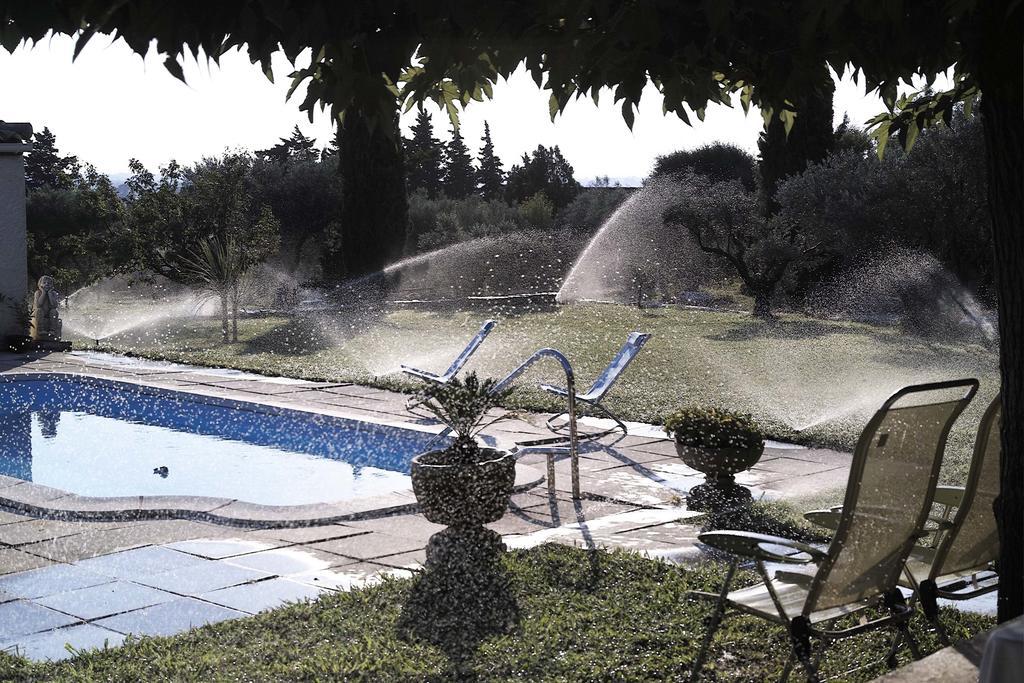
[
  {"x": 598, "y": 389},
  {"x": 892, "y": 482},
  {"x": 958, "y": 563},
  {"x": 459, "y": 361}
]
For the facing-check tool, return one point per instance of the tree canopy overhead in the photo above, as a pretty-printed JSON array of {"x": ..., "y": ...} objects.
[{"x": 372, "y": 56}]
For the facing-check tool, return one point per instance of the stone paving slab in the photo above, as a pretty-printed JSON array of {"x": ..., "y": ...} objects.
[
  {"x": 169, "y": 618},
  {"x": 53, "y": 645}
]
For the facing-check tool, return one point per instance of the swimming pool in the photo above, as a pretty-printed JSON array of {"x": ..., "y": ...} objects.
[{"x": 96, "y": 437}]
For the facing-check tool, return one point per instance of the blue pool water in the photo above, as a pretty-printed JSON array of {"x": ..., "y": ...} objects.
[{"x": 100, "y": 438}]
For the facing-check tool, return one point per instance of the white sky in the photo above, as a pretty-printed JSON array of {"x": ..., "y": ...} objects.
[{"x": 110, "y": 105}]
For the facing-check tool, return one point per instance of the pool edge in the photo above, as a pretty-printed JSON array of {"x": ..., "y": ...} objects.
[{"x": 46, "y": 502}]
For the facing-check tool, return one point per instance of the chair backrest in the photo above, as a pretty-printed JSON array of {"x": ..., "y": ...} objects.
[
  {"x": 888, "y": 496},
  {"x": 623, "y": 358},
  {"x": 474, "y": 343},
  {"x": 973, "y": 541}
]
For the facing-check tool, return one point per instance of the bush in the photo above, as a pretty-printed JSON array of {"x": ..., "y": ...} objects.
[
  {"x": 718, "y": 161},
  {"x": 439, "y": 222},
  {"x": 538, "y": 212},
  {"x": 591, "y": 208},
  {"x": 713, "y": 428}
]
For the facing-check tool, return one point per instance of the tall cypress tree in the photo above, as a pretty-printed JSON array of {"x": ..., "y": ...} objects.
[
  {"x": 459, "y": 176},
  {"x": 809, "y": 141},
  {"x": 45, "y": 167},
  {"x": 490, "y": 177},
  {"x": 423, "y": 155},
  {"x": 295, "y": 146},
  {"x": 374, "y": 207}
]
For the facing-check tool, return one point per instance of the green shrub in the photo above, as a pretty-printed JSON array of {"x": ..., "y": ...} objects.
[{"x": 713, "y": 428}]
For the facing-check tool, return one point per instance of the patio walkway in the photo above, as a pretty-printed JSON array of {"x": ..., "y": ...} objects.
[{"x": 90, "y": 582}]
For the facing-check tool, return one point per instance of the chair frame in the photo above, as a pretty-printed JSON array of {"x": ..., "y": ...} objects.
[
  {"x": 453, "y": 369},
  {"x": 801, "y": 628},
  {"x": 941, "y": 584},
  {"x": 601, "y": 386},
  {"x": 459, "y": 361}
]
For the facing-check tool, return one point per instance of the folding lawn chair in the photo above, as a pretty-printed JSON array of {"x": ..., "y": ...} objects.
[
  {"x": 888, "y": 498},
  {"x": 599, "y": 388},
  {"x": 959, "y": 563},
  {"x": 459, "y": 361}
]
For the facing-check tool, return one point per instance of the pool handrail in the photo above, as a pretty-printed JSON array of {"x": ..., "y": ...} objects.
[{"x": 542, "y": 447}]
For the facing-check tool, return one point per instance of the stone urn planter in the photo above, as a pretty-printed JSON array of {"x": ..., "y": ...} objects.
[
  {"x": 719, "y": 444},
  {"x": 719, "y": 467},
  {"x": 463, "y": 495}
]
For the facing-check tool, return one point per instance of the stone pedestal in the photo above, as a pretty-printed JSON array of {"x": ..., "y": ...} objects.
[{"x": 13, "y": 241}]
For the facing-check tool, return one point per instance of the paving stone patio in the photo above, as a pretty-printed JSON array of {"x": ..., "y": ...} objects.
[{"x": 87, "y": 583}]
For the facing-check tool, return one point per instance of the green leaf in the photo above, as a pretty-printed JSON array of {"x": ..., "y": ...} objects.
[{"x": 627, "y": 113}]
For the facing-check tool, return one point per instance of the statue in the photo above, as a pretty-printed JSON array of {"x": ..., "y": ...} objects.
[{"x": 46, "y": 323}]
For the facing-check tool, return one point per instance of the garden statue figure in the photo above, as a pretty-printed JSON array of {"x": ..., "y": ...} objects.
[{"x": 46, "y": 323}]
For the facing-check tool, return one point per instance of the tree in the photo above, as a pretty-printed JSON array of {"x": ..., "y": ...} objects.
[
  {"x": 695, "y": 53},
  {"x": 230, "y": 230},
  {"x": 45, "y": 167},
  {"x": 374, "y": 206},
  {"x": 851, "y": 138},
  {"x": 931, "y": 199},
  {"x": 724, "y": 220},
  {"x": 74, "y": 233},
  {"x": 305, "y": 196},
  {"x": 490, "y": 176},
  {"x": 786, "y": 152},
  {"x": 459, "y": 175},
  {"x": 547, "y": 171},
  {"x": 423, "y": 156},
  {"x": 203, "y": 221},
  {"x": 719, "y": 161},
  {"x": 296, "y": 146}
]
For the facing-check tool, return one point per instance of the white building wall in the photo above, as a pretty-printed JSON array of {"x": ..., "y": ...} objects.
[{"x": 13, "y": 245}]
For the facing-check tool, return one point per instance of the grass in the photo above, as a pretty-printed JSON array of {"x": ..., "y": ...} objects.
[
  {"x": 583, "y": 615},
  {"x": 805, "y": 380}
]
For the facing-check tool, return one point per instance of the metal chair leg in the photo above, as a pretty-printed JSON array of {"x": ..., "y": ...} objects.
[
  {"x": 928, "y": 594},
  {"x": 786, "y": 670},
  {"x": 800, "y": 641},
  {"x": 713, "y": 624}
]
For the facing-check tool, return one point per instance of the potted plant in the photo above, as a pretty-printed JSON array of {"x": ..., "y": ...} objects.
[
  {"x": 465, "y": 484},
  {"x": 719, "y": 443}
]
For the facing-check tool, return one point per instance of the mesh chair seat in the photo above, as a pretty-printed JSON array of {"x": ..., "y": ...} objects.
[
  {"x": 922, "y": 561},
  {"x": 791, "y": 588}
]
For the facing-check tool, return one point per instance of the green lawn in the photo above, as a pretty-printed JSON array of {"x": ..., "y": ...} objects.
[
  {"x": 581, "y": 616},
  {"x": 806, "y": 380}
]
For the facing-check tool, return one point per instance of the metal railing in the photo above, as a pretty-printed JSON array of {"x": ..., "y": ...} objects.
[
  {"x": 542, "y": 446},
  {"x": 547, "y": 446}
]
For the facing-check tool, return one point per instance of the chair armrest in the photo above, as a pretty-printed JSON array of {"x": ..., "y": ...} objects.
[
  {"x": 421, "y": 374},
  {"x": 558, "y": 391},
  {"x": 950, "y": 496},
  {"x": 828, "y": 519},
  {"x": 750, "y": 545}
]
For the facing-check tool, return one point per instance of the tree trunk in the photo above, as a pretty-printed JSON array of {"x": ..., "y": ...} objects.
[
  {"x": 1001, "y": 77},
  {"x": 1004, "y": 140},
  {"x": 374, "y": 206},
  {"x": 224, "y": 315},
  {"x": 763, "y": 305},
  {"x": 234, "y": 312}
]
